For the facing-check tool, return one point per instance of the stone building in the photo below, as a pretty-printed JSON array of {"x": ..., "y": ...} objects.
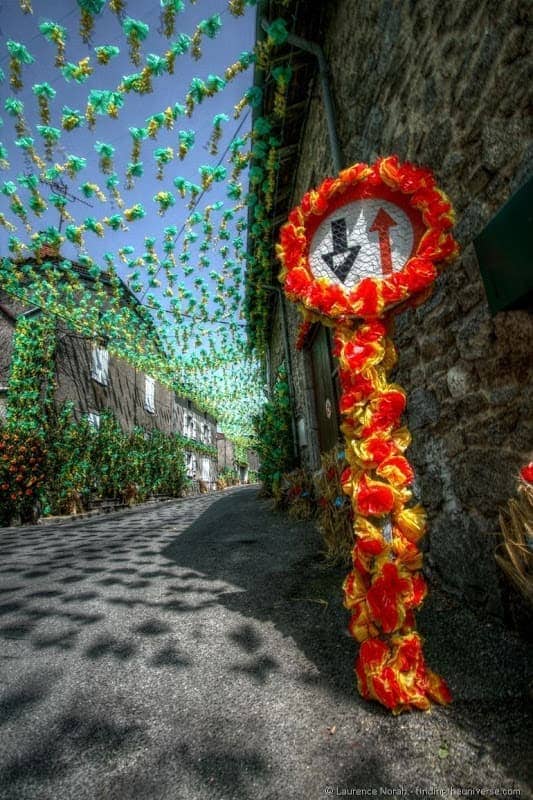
[
  {"x": 95, "y": 381},
  {"x": 446, "y": 86},
  {"x": 197, "y": 426},
  {"x": 228, "y": 459}
]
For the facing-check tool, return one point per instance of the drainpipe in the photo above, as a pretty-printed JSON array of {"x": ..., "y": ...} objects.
[{"x": 323, "y": 71}]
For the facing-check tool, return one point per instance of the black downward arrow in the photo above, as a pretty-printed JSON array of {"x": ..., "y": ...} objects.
[{"x": 340, "y": 266}]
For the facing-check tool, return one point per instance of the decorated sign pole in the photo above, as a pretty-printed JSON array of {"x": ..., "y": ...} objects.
[{"x": 358, "y": 249}]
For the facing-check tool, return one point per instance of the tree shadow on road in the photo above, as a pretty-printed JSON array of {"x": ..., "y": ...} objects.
[{"x": 279, "y": 576}]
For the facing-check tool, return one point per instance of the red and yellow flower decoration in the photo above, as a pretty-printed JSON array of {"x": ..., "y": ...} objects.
[{"x": 385, "y": 586}]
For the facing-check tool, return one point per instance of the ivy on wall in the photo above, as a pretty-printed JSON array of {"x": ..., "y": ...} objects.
[
  {"x": 31, "y": 378},
  {"x": 274, "y": 435}
]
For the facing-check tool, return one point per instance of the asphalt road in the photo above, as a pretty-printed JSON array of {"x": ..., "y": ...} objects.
[{"x": 196, "y": 650}]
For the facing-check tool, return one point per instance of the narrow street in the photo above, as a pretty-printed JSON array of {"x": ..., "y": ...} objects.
[{"x": 195, "y": 649}]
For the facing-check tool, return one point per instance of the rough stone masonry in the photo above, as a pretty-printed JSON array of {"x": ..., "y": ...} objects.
[{"x": 446, "y": 86}]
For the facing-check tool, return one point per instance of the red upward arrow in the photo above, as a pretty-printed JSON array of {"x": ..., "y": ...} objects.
[{"x": 381, "y": 224}]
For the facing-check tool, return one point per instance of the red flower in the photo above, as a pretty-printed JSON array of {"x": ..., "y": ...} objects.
[
  {"x": 396, "y": 470},
  {"x": 385, "y": 412},
  {"x": 418, "y": 274},
  {"x": 313, "y": 202},
  {"x": 292, "y": 243},
  {"x": 353, "y": 174},
  {"x": 366, "y": 299},
  {"x": 296, "y": 217},
  {"x": 297, "y": 281},
  {"x": 379, "y": 449},
  {"x": 364, "y": 552},
  {"x": 384, "y": 598},
  {"x": 387, "y": 689},
  {"x": 373, "y": 653},
  {"x": 526, "y": 473},
  {"x": 418, "y": 591},
  {"x": 373, "y": 497},
  {"x": 413, "y": 178}
]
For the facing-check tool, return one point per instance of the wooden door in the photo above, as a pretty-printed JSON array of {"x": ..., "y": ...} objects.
[{"x": 325, "y": 389}]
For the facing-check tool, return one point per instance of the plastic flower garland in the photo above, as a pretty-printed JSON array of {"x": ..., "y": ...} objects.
[
  {"x": 385, "y": 585},
  {"x": 217, "y": 303}
]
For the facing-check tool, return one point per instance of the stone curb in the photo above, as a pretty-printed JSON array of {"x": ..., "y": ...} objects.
[{"x": 115, "y": 511}]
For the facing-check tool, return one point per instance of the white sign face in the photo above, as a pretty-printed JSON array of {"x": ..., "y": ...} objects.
[{"x": 368, "y": 238}]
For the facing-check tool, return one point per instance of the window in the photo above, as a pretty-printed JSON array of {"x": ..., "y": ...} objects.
[
  {"x": 93, "y": 418},
  {"x": 205, "y": 433},
  {"x": 190, "y": 465},
  {"x": 100, "y": 366},
  {"x": 190, "y": 426},
  {"x": 149, "y": 394},
  {"x": 205, "y": 472}
]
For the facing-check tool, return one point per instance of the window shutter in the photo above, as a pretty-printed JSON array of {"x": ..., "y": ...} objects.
[
  {"x": 204, "y": 471},
  {"x": 93, "y": 419},
  {"x": 149, "y": 394},
  {"x": 100, "y": 365}
]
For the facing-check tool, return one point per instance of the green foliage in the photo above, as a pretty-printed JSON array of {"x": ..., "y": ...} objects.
[
  {"x": 274, "y": 434},
  {"x": 31, "y": 375},
  {"x": 106, "y": 462},
  {"x": 241, "y": 453},
  {"x": 21, "y": 473}
]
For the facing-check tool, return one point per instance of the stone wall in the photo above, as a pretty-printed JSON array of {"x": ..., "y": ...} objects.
[
  {"x": 7, "y": 325},
  {"x": 445, "y": 85},
  {"x": 226, "y": 452},
  {"x": 124, "y": 395}
]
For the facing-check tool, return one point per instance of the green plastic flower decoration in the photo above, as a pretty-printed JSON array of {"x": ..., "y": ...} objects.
[
  {"x": 104, "y": 53},
  {"x": 136, "y": 32},
  {"x": 135, "y": 212},
  {"x": 104, "y": 150},
  {"x": 136, "y": 169},
  {"x": 50, "y": 134},
  {"x": 19, "y": 52},
  {"x": 74, "y": 233},
  {"x": 181, "y": 45},
  {"x": 198, "y": 90},
  {"x": 254, "y": 96},
  {"x": 165, "y": 200},
  {"x": 214, "y": 84},
  {"x": 211, "y": 26},
  {"x": 164, "y": 155},
  {"x": 9, "y": 188},
  {"x": 277, "y": 31},
  {"x": 282, "y": 75},
  {"x": 79, "y": 72},
  {"x": 44, "y": 90},
  {"x": 112, "y": 182},
  {"x": 14, "y": 106},
  {"x": 91, "y": 224},
  {"x": 157, "y": 65},
  {"x": 91, "y": 6},
  {"x": 75, "y": 164}
]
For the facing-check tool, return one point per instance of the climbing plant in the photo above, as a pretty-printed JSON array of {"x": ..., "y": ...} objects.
[{"x": 274, "y": 435}]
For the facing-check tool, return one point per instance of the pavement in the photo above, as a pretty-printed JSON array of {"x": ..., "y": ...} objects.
[{"x": 197, "y": 649}]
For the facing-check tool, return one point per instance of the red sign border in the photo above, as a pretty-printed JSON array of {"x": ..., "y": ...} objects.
[{"x": 411, "y": 188}]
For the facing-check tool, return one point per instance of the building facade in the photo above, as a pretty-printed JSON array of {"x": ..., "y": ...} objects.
[
  {"x": 199, "y": 429},
  {"x": 445, "y": 87},
  {"x": 96, "y": 381}
]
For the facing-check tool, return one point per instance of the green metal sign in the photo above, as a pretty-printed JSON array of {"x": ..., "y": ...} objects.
[{"x": 505, "y": 253}]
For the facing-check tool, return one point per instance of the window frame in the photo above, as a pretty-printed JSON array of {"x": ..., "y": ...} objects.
[
  {"x": 100, "y": 365},
  {"x": 149, "y": 394}
]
